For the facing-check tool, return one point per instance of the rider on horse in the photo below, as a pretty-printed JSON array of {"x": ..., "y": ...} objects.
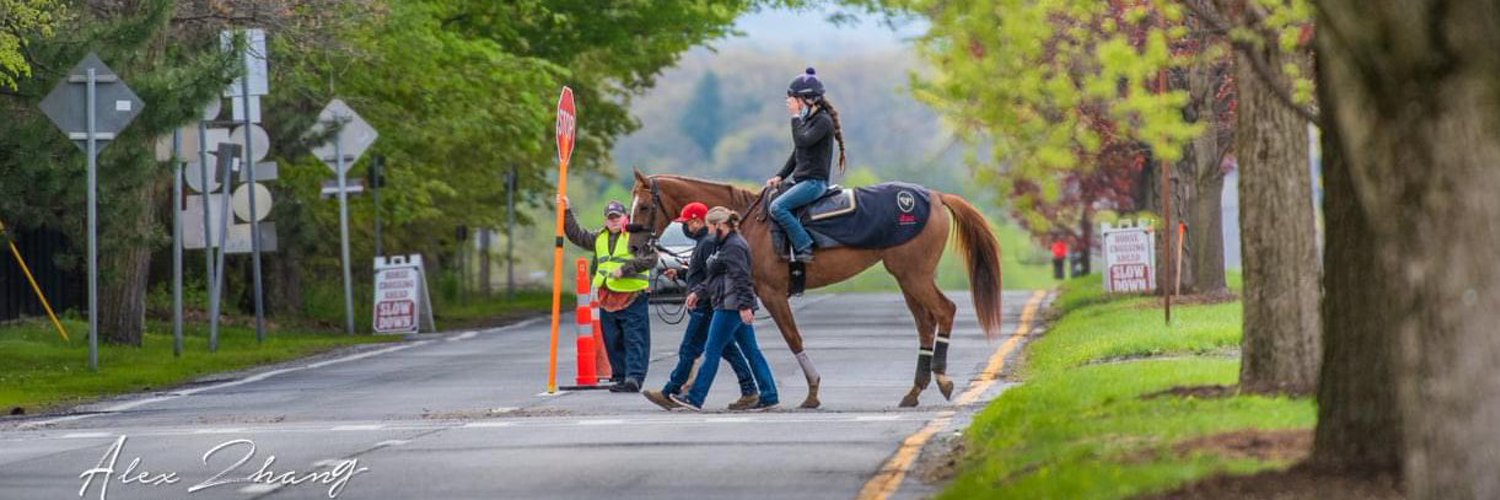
[{"x": 815, "y": 125}]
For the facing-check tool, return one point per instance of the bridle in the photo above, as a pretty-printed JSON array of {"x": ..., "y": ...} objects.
[{"x": 655, "y": 208}]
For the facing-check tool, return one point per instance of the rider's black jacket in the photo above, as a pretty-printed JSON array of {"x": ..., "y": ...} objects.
[{"x": 813, "y": 156}]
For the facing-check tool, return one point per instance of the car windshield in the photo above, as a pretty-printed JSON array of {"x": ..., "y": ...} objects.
[{"x": 672, "y": 237}]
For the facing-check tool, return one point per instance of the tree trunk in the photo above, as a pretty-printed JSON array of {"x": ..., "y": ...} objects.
[
  {"x": 1086, "y": 247},
  {"x": 1358, "y": 425},
  {"x": 124, "y": 269},
  {"x": 1281, "y": 348},
  {"x": 1414, "y": 85},
  {"x": 284, "y": 286}
]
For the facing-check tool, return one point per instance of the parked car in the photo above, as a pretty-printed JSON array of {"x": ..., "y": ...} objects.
[{"x": 667, "y": 290}]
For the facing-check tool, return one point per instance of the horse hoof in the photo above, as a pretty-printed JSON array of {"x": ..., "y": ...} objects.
[
  {"x": 945, "y": 385},
  {"x": 909, "y": 401},
  {"x": 810, "y": 403}
]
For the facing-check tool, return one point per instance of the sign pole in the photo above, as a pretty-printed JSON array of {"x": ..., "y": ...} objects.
[
  {"x": 338, "y": 153},
  {"x": 566, "y": 123},
  {"x": 226, "y": 158},
  {"x": 208, "y": 248},
  {"x": 260, "y": 311},
  {"x": 177, "y": 243},
  {"x": 376, "y": 165},
  {"x": 93, "y": 153},
  {"x": 510, "y": 234}
]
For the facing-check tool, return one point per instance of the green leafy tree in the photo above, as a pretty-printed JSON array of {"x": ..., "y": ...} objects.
[{"x": 21, "y": 21}]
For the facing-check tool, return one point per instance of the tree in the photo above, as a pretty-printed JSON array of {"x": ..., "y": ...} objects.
[
  {"x": 704, "y": 121},
  {"x": 21, "y": 21},
  {"x": 1410, "y": 91}
]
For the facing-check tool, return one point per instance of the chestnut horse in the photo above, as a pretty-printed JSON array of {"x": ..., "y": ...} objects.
[{"x": 659, "y": 198}]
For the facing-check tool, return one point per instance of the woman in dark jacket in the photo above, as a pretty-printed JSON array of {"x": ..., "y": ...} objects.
[
  {"x": 815, "y": 127},
  {"x": 732, "y": 293}
]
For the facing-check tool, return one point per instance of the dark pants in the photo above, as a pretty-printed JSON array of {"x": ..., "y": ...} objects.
[
  {"x": 726, "y": 328},
  {"x": 693, "y": 341},
  {"x": 1059, "y": 268},
  {"x": 627, "y": 339}
]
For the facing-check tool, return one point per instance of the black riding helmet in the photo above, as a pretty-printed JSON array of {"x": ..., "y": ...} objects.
[{"x": 806, "y": 86}]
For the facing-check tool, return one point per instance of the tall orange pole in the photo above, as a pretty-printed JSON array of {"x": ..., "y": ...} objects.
[{"x": 566, "y": 125}]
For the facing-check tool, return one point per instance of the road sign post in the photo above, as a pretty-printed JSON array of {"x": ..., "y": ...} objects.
[
  {"x": 228, "y": 152},
  {"x": 567, "y": 114},
  {"x": 351, "y": 137},
  {"x": 91, "y": 83},
  {"x": 176, "y": 243}
]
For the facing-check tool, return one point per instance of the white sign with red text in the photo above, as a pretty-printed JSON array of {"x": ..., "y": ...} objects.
[
  {"x": 401, "y": 297},
  {"x": 1129, "y": 258}
]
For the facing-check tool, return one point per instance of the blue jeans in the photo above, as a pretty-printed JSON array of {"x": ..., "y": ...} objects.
[
  {"x": 627, "y": 339},
  {"x": 693, "y": 341},
  {"x": 726, "y": 327},
  {"x": 801, "y": 193}
]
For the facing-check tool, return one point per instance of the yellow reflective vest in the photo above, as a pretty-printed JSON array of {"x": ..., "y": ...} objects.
[{"x": 605, "y": 264}]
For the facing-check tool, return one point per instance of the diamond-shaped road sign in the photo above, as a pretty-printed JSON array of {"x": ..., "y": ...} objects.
[
  {"x": 353, "y": 138},
  {"x": 115, "y": 105}
]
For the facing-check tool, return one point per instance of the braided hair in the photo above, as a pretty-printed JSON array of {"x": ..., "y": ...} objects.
[{"x": 838, "y": 130}]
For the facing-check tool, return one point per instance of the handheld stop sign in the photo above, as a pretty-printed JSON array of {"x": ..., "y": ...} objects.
[{"x": 567, "y": 123}]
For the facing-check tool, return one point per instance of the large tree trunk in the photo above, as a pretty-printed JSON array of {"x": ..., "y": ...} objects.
[
  {"x": 1358, "y": 426},
  {"x": 124, "y": 269},
  {"x": 1204, "y": 254},
  {"x": 1281, "y": 348},
  {"x": 1414, "y": 87}
]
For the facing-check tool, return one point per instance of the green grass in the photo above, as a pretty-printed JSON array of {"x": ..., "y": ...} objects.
[
  {"x": 39, "y": 371},
  {"x": 1077, "y": 426},
  {"x": 478, "y": 309},
  {"x": 1022, "y": 267}
]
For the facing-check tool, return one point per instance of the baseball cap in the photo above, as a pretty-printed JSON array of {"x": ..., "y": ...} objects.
[
  {"x": 614, "y": 207},
  {"x": 692, "y": 211}
]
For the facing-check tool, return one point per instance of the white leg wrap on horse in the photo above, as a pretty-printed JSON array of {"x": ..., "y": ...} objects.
[{"x": 807, "y": 367}]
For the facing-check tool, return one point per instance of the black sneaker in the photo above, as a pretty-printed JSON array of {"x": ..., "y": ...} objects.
[
  {"x": 684, "y": 403},
  {"x": 803, "y": 256},
  {"x": 630, "y": 385}
]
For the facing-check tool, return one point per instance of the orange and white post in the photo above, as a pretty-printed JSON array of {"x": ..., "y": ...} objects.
[
  {"x": 566, "y": 126},
  {"x": 584, "y": 313}
]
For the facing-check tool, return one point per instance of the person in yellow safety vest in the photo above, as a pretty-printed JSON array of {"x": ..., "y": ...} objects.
[{"x": 622, "y": 282}]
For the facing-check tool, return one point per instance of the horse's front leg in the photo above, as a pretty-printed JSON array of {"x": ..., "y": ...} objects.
[{"x": 781, "y": 312}]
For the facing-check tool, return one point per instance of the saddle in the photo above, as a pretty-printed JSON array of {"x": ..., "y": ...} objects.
[{"x": 873, "y": 217}]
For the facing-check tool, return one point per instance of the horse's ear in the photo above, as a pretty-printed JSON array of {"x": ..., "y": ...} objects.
[{"x": 640, "y": 178}]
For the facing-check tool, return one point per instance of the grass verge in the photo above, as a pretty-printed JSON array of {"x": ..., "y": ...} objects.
[
  {"x": 39, "y": 371},
  {"x": 1078, "y": 427}
]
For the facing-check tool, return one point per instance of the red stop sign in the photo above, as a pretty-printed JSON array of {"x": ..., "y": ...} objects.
[{"x": 567, "y": 123}]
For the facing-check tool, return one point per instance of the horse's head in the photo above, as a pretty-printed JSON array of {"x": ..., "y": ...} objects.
[{"x": 651, "y": 209}]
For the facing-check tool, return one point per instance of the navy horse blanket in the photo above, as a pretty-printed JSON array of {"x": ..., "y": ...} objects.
[{"x": 879, "y": 216}]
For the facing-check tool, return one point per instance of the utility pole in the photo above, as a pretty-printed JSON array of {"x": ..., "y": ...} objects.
[{"x": 510, "y": 234}]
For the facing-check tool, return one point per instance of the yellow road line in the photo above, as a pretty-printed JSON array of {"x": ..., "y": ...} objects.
[{"x": 888, "y": 479}]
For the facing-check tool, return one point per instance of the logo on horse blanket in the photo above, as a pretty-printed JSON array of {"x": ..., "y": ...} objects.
[{"x": 879, "y": 216}]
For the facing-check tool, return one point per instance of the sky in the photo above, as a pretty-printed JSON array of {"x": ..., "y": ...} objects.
[{"x": 810, "y": 32}]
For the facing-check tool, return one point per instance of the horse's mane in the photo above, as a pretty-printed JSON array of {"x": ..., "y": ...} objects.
[{"x": 740, "y": 197}]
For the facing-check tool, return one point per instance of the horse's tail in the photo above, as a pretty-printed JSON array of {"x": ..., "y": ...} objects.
[{"x": 982, "y": 254}]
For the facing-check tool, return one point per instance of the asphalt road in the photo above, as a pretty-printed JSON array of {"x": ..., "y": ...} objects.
[{"x": 461, "y": 415}]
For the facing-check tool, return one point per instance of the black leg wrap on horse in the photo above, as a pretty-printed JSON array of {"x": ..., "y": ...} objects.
[
  {"x": 924, "y": 368},
  {"x": 940, "y": 355}
]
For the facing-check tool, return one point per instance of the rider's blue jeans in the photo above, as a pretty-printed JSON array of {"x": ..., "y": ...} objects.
[
  {"x": 801, "y": 193},
  {"x": 693, "y": 341},
  {"x": 725, "y": 328}
]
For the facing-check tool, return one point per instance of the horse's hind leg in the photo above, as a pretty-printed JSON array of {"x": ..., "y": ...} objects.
[
  {"x": 781, "y": 313},
  {"x": 943, "y": 314},
  {"x": 925, "y": 365}
]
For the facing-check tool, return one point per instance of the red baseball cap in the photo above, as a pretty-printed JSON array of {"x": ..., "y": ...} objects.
[{"x": 692, "y": 211}]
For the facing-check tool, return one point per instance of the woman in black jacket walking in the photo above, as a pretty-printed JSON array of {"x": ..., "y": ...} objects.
[{"x": 732, "y": 292}]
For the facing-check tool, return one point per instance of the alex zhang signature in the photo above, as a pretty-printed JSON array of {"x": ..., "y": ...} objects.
[{"x": 337, "y": 477}]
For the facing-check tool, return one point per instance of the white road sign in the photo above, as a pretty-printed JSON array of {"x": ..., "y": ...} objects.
[{"x": 1130, "y": 258}]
